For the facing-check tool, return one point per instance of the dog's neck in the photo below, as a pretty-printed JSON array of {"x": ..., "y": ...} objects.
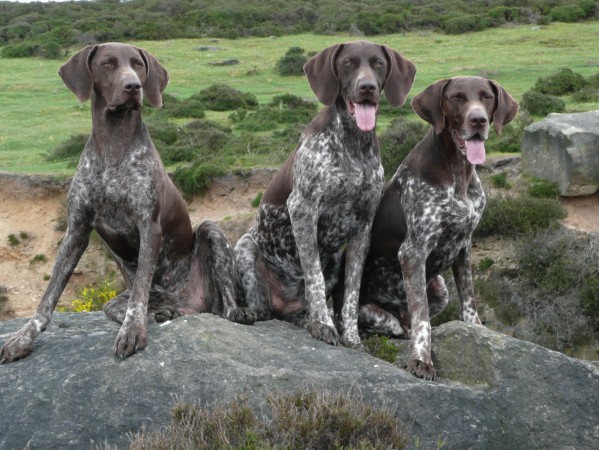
[
  {"x": 452, "y": 160},
  {"x": 116, "y": 132}
]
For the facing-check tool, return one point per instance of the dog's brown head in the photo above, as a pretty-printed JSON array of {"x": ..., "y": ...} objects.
[
  {"x": 352, "y": 75},
  {"x": 464, "y": 107},
  {"x": 120, "y": 74}
]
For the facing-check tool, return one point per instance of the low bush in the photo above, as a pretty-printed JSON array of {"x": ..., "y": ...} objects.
[
  {"x": 381, "y": 347},
  {"x": 563, "y": 82},
  {"x": 543, "y": 189},
  {"x": 197, "y": 177},
  {"x": 499, "y": 181},
  {"x": 221, "y": 97},
  {"x": 70, "y": 150},
  {"x": 192, "y": 107},
  {"x": 292, "y": 63},
  {"x": 510, "y": 216},
  {"x": 93, "y": 298},
  {"x": 19, "y": 50},
  {"x": 510, "y": 140},
  {"x": 283, "y": 109},
  {"x": 567, "y": 13},
  {"x": 586, "y": 95},
  {"x": 398, "y": 140},
  {"x": 465, "y": 23},
  {"x": 304, "y": 419},
  {"x": 539, "y": 104}
]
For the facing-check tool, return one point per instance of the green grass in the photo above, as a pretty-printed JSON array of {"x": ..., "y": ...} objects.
[{"x": 37, "y": 112}]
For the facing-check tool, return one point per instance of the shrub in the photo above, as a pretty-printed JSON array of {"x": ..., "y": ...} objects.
[
  {"x": 563, "y": 82},
  {"x": 485, "y": 264},
  {"x": 283, "y": 109},
  {"x": 195, "y": 179},
  {"x": 69, "y": 150},
  {"x": 92, "y": 298},
  {"x": 13, "y": 240},
  {"x": 507, "y": 216},
  {"x": 543, "y": 189},
  {"x": 220, "y": 97},
  {"x": 20, "y": 50},
  {"x": 499, "y": 180},
  {"x": 381, "y": 347},
  {"x": 464, "y": 24},
  {"x": 39, "y": 258},
  {"x": 304, "y": 419},
  {"x": 256, "y": 202},
  {"x": 593, "y": 81},
  {"x": 540, "y": 104},
  {"x": 293, "y": 62},
  {"x": 398, "y": 140},
  {"x": 192, "y": 107},
  {"x": 566, "y": 13},
  {"x": 586, "y": 95},
  {"x": 510, "y": 139}
]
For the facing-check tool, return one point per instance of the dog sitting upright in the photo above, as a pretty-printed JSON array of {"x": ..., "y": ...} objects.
[
  {"x": 427, "y": 215},
  {"x": 121, "y": 190},
  {"x": 325, "y": 195}
]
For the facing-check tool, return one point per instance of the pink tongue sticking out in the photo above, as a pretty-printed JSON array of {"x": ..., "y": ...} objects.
[
  {"x": 475, "y": 151},
  {"x": 365, "y": 116}
]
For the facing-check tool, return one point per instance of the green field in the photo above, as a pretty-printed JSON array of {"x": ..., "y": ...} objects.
[{"x": 37, "y": 112}]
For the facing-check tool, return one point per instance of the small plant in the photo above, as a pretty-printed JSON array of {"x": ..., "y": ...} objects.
[
  {"x": 540, "y": 104},
  {"x": 485, "y": 264},
  {"x": 293, "y": 62},
  {"x": 257, "y": 200},
  {"x": 39, "y": 258},
  {"x": 92, "y": 298},
  {"x": 499, "y": 181},
  {"x": 543, "y": 189},
  {"x": 24, "y": 235},
  {"x": 13, "y": 239},
  {"x": 560, "y": 83},
  {"x": 69, "y": 150},
  {"x": 397, "y": 141},
  {"x": 196, "y": 178},
  {"x": 510, "y": 216},
  {"x": 381, "y": 347},
  {"x": 304, "y": 419},
  {"x": 221, "y": 97}
]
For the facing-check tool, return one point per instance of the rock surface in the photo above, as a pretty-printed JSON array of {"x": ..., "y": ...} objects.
[
  {"x": 564, "y": 148},
  {"x": 493, "y": 391}
]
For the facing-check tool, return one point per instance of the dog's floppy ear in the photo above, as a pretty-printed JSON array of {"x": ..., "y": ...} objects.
[
  {"x": 400, "y": 77},
  {"x": 156, "y": 79},
  {"x": 506, "y": 107},
  {"x": 429, "y": 105},
  {"x": 76, "y": 73},
  {"x": 322, "y": 75}
]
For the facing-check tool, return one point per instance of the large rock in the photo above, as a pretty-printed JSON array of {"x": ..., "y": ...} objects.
[
  {"x": 493, "y": 392},
  {"x": 564, "y": 148}
]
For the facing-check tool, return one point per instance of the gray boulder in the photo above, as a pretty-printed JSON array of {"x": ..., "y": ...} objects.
[
  {"x": 493, "y": 391},
  {"x": 564, "y": 148}
]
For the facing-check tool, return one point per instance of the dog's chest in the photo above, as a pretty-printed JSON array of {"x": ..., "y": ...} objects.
[{"x": 119, "y": 196}]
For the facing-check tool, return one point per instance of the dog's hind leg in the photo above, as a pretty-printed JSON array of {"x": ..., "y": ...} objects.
[
  {"x": 374, "y": 320},
  {"x": 252, "y": 285},
  {"x": 219, "y": 274},
  {"x": 116, "y": 308}
]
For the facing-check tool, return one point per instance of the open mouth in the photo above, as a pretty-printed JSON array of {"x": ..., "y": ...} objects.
[
  {"x": 364, "y": 113},
  {"x": 473, "y": 147}
]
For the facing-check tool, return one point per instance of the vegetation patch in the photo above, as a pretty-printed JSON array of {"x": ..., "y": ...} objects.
[
  {"x": 499, "y": 181},
  {"x": 93, "y": 298},
  {"x": 304, "y": 419},
  {"x": 511, "y": 216},
  {"x": 540, "y": 104},
  {"x": 381, "y": 347},
  {"x": 221, "y": 97},
  {"x": 293, "y": 62},
  {"x": 543, "y": 189},
  {"x": 398, "y": 140},
  {"x": 563, "y": 82}
]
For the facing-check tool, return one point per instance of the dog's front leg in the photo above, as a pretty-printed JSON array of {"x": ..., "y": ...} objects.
[
  {"x": 72, "y": 247},
  {"x": 462, "y": 273},
  {"x": 132, "y": 336},
  {"x": 412, "y": 259},
  {"x": 304, "y": 222},
  {"x": 356, "y": 252}
]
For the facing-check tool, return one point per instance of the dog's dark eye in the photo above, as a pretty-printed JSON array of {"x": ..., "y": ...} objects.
[
  {"x": 138, "y": 63},
  {"x": 107, "y": 64},
  {"x": 487, "y": 97},
  {"x": 347, "y": 62},
  {"x": 378, "y": 64},
  {"x": 458, "y": 97}
]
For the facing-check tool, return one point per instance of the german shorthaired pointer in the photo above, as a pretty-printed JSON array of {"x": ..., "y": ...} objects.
[
  {"x": 325, "y": 195},
  {"x": 121, "y": 189},
  {"x": 427, "y": 215}
]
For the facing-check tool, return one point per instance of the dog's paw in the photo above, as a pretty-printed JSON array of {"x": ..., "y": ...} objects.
[
  {"x": 165, "y": 314},
  {"x": 242, "y": 315},
  {"x": 420, "y": 369},
  {"x": 19, "y": 345},
  {"x": 323, "y": 332},
  {"x": 132, "y": 337}
]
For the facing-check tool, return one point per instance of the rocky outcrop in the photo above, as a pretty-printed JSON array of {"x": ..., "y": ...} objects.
[
  {"x": 564, "y": 148},
  {"x": 493, "y": 391}
]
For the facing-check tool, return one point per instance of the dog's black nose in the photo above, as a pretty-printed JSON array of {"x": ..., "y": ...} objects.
[
  {"x": 477, "y": 120},
  {"x": 132, "y": 87},
  {"x": 367, "y": 86}
]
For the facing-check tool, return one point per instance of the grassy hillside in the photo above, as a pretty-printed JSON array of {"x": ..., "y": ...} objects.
[{"x": 37, "y": 112}]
